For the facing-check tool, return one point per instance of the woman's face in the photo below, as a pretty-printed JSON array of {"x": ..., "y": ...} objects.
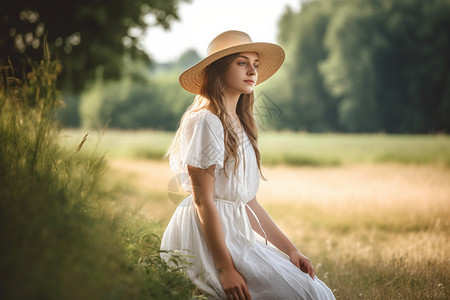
[{"x": 242, "y": 75}]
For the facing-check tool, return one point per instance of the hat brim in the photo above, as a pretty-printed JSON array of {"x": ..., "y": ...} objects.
[{"x": 271, "y": 57}]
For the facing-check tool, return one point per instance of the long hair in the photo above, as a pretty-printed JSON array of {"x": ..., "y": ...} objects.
[{"x": 211, "y": 97}]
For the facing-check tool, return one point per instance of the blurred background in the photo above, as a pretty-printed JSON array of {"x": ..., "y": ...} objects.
[
  {"x": 353, "y": 131},
  {"x": 352, "y": 66}
]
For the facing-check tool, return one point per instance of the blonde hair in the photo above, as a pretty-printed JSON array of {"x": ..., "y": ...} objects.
[{"x": 211, "y": 98}]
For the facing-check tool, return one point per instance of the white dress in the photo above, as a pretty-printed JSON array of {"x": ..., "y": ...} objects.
[{"x": 269, "y": 274}]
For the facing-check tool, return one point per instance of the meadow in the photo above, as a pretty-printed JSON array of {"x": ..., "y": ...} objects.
[
  {"x": 291, "y": 148},
  {"x": 371, "y": 211},
  {"x": 88, "y": 210}
]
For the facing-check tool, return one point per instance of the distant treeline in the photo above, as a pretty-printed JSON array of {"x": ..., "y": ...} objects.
[
  {"x": 351, "y": 66},
  {"x": 366, "y": 66}
]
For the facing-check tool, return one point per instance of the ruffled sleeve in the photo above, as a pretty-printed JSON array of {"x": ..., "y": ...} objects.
[{"x": 202, "y": 143}]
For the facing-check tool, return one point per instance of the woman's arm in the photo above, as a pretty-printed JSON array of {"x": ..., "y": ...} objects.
[
  {"x": 202, "y": 181},
  {"x": 277, "y": 237}
]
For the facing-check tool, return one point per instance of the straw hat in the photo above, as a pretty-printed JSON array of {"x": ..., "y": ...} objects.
[{"x": 270, "y": 56}]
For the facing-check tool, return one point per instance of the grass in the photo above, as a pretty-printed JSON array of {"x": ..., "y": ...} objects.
[
  {"x": 342, "y": 149},
  {"x": 373, "y": 231},
  {"x": 290, "y": 148},
  {"x": 371, "y": 211},
  {"x": 64, "y": 233}
]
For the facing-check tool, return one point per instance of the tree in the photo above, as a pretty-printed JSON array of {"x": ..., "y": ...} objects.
[
  {"x": 188, "y": 58},
  {"x": 154, "y": 101},
  {"x": 368, "y": 66},
  {"x": 389, "y": 61},
  {"x": 310, "y": 105},
  {"x": 348, "y": 70},
  {"x": 84, "y": 33}
]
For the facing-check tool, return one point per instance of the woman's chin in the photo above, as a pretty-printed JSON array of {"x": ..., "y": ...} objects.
[{"x": 247, "y": 91}]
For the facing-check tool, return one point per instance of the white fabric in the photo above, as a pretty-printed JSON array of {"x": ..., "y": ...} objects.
[{"x": 269, "y": 274}]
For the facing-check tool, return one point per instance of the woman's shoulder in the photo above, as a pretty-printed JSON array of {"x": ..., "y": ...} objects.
[{"x": 204, "y": 117}]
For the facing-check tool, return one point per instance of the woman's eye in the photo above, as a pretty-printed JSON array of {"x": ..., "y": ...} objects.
[
  {"x": 256, "y": 66},
  {"x": 242, "y": 63}
]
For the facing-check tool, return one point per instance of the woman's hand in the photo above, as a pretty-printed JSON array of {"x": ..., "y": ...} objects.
[
  {"x": 302, "y": 262},
  {"x": 233, "y": 283}
]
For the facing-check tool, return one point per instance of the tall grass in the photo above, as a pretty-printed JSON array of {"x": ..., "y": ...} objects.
[{"x": 62, "y": 235}]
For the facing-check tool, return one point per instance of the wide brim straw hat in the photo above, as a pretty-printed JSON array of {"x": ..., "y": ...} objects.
[{"x": 271, "y": 57}]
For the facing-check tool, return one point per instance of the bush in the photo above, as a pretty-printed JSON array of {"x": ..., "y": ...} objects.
[
  {"x": 156, "y": 102},
  {"x": 60, "y": 236}
]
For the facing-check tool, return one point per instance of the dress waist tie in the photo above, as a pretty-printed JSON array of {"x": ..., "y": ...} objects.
[{"x": 246, "y": 222}]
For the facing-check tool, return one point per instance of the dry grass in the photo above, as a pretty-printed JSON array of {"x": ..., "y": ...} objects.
[
  {"x": 144, "y": 185},
  {"x": 373, "y": 231}
]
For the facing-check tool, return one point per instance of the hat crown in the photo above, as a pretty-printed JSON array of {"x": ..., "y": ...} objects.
[{"x": 228, "y": 39}]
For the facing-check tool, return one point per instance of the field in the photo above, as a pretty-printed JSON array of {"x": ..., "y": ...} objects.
[
  {"x": 371, "y": 211},
  {"x": 287, "y": 147}
]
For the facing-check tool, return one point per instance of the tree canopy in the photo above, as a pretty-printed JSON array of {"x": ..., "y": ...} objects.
[
  {"x": 367, "y": 66},
  {"x": 85, "y": 34}
]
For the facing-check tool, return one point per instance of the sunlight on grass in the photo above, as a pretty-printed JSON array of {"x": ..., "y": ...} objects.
[
  {"x": 288, "y": 148},
  {"x": 371, "y": 211},
  {"x": 372, "y": 231}
]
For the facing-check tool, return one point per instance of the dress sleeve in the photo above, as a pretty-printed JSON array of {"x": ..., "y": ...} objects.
[{"x": 202, "y": 142}]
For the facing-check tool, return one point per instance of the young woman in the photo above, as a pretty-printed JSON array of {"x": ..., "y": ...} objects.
[{"x": 216, "y": 152}]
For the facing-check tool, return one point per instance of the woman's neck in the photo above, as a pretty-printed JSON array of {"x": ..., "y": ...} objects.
[
  {"x": 230, "y": 103},
  {"x": 230, "y": 107}
]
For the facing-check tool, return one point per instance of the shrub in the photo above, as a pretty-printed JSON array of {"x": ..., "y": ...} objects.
[{"x": 60, "y": 238}]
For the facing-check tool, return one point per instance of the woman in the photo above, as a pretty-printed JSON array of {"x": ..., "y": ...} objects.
[{"x": 216, "y": 151}]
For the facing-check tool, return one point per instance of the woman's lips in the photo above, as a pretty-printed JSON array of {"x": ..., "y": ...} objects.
[{"x": 249, "y": 81}]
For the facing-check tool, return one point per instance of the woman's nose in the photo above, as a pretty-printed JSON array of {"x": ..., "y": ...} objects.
[{"x": 251, "y": 70}]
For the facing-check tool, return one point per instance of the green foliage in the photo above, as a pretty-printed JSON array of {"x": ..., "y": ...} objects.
[
  {"x": 352, "y": 82},
  {"x": 69, "y": 113},
  {"x": 367, "y": 66},
  {"x": 309, "y": 106},
  {"x": 85, "y": 34},
  {"x": 143, "y": 247},
  {"x": 188, "y": 59},
  {"x": 156, "y": 101},
  {"x": 61, "y": 236}
]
